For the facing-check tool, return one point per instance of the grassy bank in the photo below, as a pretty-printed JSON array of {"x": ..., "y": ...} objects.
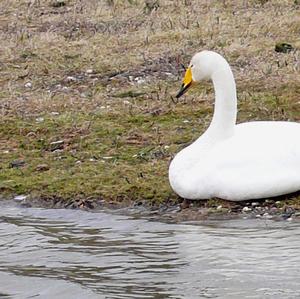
[{"x": 87, "y": 88}]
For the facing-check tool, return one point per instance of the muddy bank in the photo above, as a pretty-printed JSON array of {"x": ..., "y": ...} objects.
[{"x": 278, "y": 209}]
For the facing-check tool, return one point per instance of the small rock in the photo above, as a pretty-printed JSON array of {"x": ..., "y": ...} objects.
[
  {"x": 273, "y": 210},
  {"x": 28, "y": 85},
  {"x": 139, "y": 80},
  {"x": 55, "y": 145},
  {"x": 39, "y": 119},
  {"x": 42, "y": 167},
  {"x": 267, "y": 216},
  {"x": 219, "y": 207},
  {"x": 185, "y": 121},
  {"x": 269, "y": 201},
  {"x": 89, "y": 71},
  {"x": 254, "y": 204},
  {"x": 58, "y": 151},
  {"x": 16, "y": 164},
  {"x": 289, "y": 219},
  {"x": 20, "y": 197},
  {"x": 71, "y": 79},
  {"x": 246, "y": 209}
]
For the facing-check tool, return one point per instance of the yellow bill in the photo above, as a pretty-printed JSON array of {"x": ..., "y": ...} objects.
[{"x": 186, "y": 83}]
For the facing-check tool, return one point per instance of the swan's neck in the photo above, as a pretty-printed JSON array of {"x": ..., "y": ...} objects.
[{"x": 224, "y": 118}]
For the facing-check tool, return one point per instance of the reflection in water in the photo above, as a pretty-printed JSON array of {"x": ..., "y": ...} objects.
[{"x": 75, "y": 254}]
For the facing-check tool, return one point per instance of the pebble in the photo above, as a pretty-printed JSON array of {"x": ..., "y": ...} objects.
[
  {"x": 219, "y": 207},
  {"x": 39, "y": 119},
  {"x": 269, "y": 201},
  {"x": 254, "y": 204},
  {"x": 28, "y": 85},
  {"x": 42, "y": 167},
  {"x": 20, "y": 197},
  {"x": 56, "y": 145},
  {"x": 246, "y": 209},
  {"x": 139, "y": 80},
  {"x": 71, "y": 78},
  {"x": 267, "y": 216},
  {"x": 16, "y": 163},
  {"x": 89, "y": 71},
  {"x": 274, "y": 210}
]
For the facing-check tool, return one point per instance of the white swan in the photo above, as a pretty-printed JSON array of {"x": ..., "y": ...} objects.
[{"x": 236, "y": 162}]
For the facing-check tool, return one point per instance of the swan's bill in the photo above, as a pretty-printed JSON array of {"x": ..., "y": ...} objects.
[{"x": 187, "y": 82}]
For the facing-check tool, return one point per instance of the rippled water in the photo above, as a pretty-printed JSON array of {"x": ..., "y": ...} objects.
[{"x": 76, "y": 254}]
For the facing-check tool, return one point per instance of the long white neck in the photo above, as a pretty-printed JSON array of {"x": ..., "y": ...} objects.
[{"x": 224, "y": 118}]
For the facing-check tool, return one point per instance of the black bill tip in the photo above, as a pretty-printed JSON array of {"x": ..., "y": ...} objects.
[{"x": 183, "y": 90}]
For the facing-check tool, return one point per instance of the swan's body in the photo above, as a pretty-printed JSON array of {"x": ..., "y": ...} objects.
[{"x": 235, "y": 162}]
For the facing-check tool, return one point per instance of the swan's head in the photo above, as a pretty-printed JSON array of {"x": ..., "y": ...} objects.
[{"x": 201, "y": 67}]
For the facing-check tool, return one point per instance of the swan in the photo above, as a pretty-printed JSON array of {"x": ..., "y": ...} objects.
[{"x": 236, "y": 162}]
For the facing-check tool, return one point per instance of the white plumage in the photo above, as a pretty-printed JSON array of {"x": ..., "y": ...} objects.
[{"x": 236, "y": 162}]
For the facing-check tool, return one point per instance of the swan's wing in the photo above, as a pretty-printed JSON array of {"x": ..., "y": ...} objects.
[{"x": 261, "y": 160}]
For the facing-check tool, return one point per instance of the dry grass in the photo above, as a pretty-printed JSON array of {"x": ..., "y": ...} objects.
[{"x": 100, "y": 76}]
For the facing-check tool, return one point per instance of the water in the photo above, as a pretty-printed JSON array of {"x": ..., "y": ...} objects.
[{"x": 75, "y": 254}]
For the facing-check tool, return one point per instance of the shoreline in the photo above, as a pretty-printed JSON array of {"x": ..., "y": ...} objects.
[{"x": 277, "y": 209}]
